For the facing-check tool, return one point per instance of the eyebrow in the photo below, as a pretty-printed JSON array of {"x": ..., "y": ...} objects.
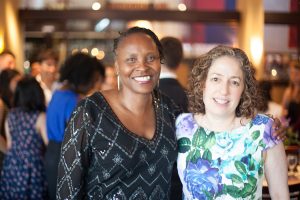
[{"x": 223, "y": 75}]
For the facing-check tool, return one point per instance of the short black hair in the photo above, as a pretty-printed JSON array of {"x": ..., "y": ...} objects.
[
  {"x": 29, "y": 95},
  {"x": 173, "y": 52},
  {"x": 79, "y": 69},
  {"x": 5, "y": 92},
  {"x": 137, "y": 29}
]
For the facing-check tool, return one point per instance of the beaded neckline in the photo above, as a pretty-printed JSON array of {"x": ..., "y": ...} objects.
[{"x": 156, "y": 112}]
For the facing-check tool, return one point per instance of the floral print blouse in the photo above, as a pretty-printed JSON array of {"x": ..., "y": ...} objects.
[{"x": 222, "y": 165}]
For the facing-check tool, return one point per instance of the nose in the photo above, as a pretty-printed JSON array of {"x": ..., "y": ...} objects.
[
  {"x": 224, "y": 88},
  {"x": 142, "y": 65},
  {"x": 51, "y": 68}
]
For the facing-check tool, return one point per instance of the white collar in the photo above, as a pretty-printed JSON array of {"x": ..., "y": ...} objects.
[{"x": 168, "y": 75}]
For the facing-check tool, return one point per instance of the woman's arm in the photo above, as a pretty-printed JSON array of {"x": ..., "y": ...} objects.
[
  {"x": 7, "y": 135},
  {"x": 73, "y": 162},
  {"x": 276, "y": 172},
  {"x": 3, "y": 148},
  {"x": 41, "y": 127}
]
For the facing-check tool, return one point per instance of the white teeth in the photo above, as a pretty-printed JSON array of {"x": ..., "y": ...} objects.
[
  {"x": 142, "y": 78},
  {"x": 221, "y": 101}
]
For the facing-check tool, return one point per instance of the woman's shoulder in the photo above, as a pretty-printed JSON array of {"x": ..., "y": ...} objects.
[
  {"x": 2, "y": 105},
  {"x": 184, "y": 117},
  {"x": 93, "y": 104},
  {"x": 185, "y": 123},
  {"x": 166, "y": 103},
  {"x": 261, "y": 118},
  {"x": 264, "y": 123},
  {"x": 93, "y": 101}
]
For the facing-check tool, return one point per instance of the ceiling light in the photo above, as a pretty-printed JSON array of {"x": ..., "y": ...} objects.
[
  {"x": 181, "y": 7},
  {"x": 96, "y": 6}
]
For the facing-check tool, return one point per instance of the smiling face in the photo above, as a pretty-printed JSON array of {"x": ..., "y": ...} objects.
[
  {"x": 138, "y": 63},
  {"x": 48, "y": 70},
  {"x": 223, "y": 87}
]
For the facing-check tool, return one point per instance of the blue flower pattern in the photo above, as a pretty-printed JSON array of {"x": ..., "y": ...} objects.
[
  {"x": 222, "y": 165},
  {"x": 202, "y": 179}
]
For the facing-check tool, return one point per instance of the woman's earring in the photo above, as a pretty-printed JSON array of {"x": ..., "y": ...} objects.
[{"x": 118, "y": 81}]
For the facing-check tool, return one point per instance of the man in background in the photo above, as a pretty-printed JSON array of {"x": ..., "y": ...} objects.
[
  {"x": 7, "y": 60},
  {"x": 169, "y": 85},
  {"x": 47, "y": 72}
]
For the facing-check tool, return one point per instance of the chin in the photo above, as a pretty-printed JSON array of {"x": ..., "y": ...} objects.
[{"x": 144, "y": 90}]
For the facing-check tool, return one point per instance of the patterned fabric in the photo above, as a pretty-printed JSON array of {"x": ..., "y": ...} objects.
[
  {"x": 23, "y": 175},
  {"x": 102, "y": 159},
  {"x": 222, "y": 165}
]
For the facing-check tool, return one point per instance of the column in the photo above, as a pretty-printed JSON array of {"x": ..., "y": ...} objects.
[
  {"x": 251, "y": 32},
  {"x": 10, "y": 30}
]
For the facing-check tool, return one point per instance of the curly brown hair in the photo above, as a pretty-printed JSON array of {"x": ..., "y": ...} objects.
[{"x": 250, "y": 98}]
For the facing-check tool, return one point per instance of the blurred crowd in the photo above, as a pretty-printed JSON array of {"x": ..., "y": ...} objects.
[{"x": 34, "y": 110}]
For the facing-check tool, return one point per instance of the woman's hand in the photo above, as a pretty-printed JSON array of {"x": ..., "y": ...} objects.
[{"x": 279, "y": 130}]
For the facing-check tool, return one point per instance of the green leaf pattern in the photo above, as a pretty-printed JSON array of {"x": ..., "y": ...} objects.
[{"x": 240, "y": 172}]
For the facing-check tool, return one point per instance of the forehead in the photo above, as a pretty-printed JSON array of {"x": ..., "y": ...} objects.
[
  {"x": 49, "y": 61},
  {"x": 226, "y": 65},
  {"x": 7, "y": 57},
  {"x": 136, "y": 39}
]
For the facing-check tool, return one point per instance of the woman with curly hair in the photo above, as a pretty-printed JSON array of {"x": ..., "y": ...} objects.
[{"x": 224, "y": 145}]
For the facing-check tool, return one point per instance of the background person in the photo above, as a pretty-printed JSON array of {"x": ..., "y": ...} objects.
[
  {"x": 48, "y": 68},
  {"x": 7, "y": 60},
  {"x": 80, "y": 76},
  {"x": 291, "y": 98},
  {"x": 8, "y": 82},
  {"x": 23, "y": 175},
  {"x": 268, "y": 105},
  {"x": 225, "y": 147},
  {"x": 168, "y": 83},
  {"x": 110, "y": 81}
]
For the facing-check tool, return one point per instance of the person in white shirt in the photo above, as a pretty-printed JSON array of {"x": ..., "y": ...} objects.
[{"x": 48, "y": 67}]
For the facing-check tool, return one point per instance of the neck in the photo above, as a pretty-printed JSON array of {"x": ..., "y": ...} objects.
[
  {"x": 165, "y": 69},
  {"x": 47, "y": 82},
  {"x": 135, "y": 103},
  {"x": 217, "y": 123}
]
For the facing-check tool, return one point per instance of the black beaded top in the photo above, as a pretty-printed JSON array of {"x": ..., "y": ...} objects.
[{"x": 102, "y": 159}]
